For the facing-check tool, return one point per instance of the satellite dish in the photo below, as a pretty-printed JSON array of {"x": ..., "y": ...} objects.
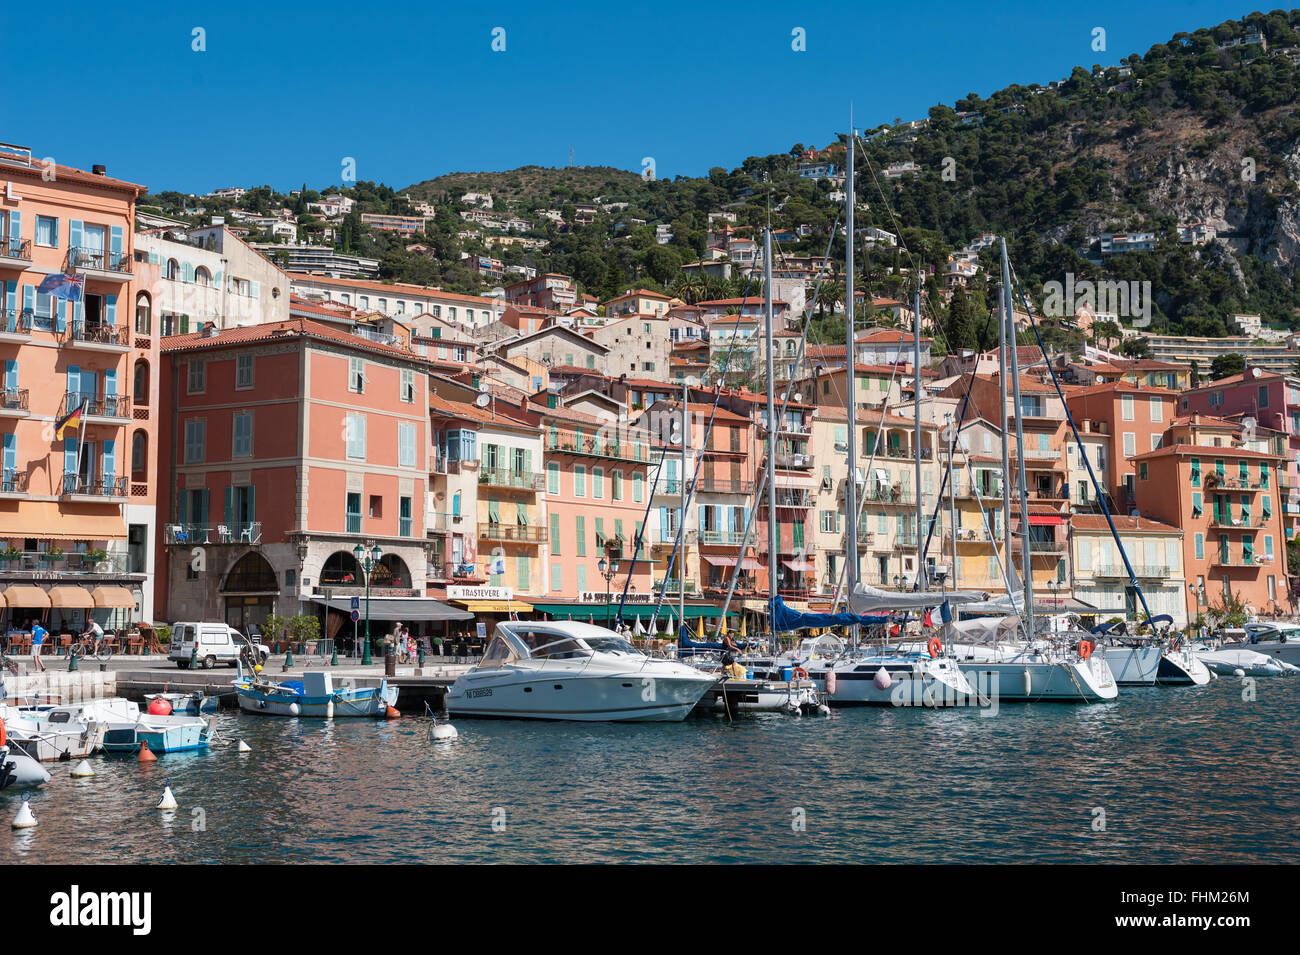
[
  {"x": 482, "y": 400},
  {"x": 798, "y": 397},
  {"x": 1255, "y": 373}
]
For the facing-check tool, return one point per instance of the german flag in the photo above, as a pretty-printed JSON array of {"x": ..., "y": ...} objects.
[{"x": 71, "y": 420}]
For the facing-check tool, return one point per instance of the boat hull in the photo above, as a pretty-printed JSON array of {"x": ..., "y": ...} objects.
[
  {"x": 162, "y": 734},
  {"x": 48, "y": 746},
  {"x": 617, "y": 698},
  {"x": 1022, "y": 681},
  {"x": 20, "y": 771},
  {"x": 759, "y": 696},
  {"x": 911, "y": 683},
  {"x": 1231, "y": 662},
  {"x": 1182, "y": 668},
  {"x": 1288, "y": 652},
  {"x": 1133, "y": 666}
]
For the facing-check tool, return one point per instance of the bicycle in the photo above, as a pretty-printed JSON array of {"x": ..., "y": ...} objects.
[{"x": 85, "y": 647}]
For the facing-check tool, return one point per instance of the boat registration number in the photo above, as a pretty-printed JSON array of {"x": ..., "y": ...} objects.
[{"x": 474, "y": 694}]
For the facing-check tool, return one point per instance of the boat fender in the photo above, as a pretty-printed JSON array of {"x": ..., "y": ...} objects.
[
  {"x": 832, "y": 682},
  {"x": 882, "y": 680},
  {"x": 1029, "y": 682},
  {"x": 294, "y": 709},
  {"x": 159, "y": 707},
  {"x": 391, "y": 712},
  {"x": 3, "y": 735},
  {"x": 1085, "y": 649},
  {"x": 935, "y": 647}
]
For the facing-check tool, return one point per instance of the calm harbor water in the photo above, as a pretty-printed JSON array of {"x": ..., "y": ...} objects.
[{"x": 1182, "y": 774}]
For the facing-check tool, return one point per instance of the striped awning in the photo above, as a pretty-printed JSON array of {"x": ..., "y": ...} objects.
[{"x": 75, "y": 598}]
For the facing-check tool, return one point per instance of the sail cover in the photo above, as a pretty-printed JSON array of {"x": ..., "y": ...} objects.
[
  {"x": 785, "y": 619},
  {"x": 984, "y": 630},
  {"x": 867, "y": 599}
]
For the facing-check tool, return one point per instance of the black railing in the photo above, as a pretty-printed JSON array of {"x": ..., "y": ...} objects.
[
  {"x": 13, "y": 482},
  {"x": 12, "y": 247},
  {"x": 94, "y": 486},
  {"x": 105, "y": 406},
  {"x": 13, "y": 399},
  {"x": 15, "y": 321},
  {"x": 99, "y": 260},
  {"x": 99, "y": 333}
]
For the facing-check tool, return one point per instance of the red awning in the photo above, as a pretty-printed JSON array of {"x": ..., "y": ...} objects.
[
  {"x": 800, "y": 565},
  {"x": 748, "y": 563},
  {"x": 1041, "y": 520}
]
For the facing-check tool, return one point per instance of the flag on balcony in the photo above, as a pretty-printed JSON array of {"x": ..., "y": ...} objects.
[
  {"x": 63, "y": 285},
  {"x": 71, "y": 420}
]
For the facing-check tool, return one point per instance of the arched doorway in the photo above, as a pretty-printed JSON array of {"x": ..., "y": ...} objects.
[
  {"x": 391, "y": 572},
  {"x": 249, "y": 591}
]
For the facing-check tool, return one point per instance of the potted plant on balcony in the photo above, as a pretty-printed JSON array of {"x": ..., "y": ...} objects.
[
  {"x": 91, "y": 559},
  {"x": 9, "y": 553},
  {"x": 52, "y": 556}
]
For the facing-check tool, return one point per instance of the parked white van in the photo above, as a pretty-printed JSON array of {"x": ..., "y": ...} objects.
[{"x": 210, "y": 644}]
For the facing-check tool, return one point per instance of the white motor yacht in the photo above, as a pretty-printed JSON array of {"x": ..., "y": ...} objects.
[
  {"x": 1238, "y": 662},
  {"x": 563, "y": 670},
  {"x": 1277, "y": 639}
]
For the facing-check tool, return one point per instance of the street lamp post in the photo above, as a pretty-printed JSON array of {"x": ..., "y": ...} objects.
[
  {"x": 367, "y": 560},
  {"x": 609, "y": 571}
]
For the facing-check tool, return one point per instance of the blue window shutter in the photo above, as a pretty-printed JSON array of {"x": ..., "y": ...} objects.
[
  {"x": 11, "y": 305},
  {"x": 74, "y": 233},
  {"x": 115, "y": 239},
  {"x": 56, "y": 232},
  {"x": 11, "y": 454},
  {"x": 110, "y": 382},
  {"x": 110, "y": 460},
  {"x": 110, "y": 309},
  {"x": 183, "y": 507},
  {"x": 29, "y": 298},
  {"x": 229, "y": 511},
  {"x": 663, "y": 519},
  {"x": 11, "y": 373},
  {"x": 187, "y": 272},
  {"x": 252, "y": 503},
  {"x": 15, "y": 225},
  {"x": 61, "y": 316},
  {"x": 74, "y": 382},
  {"x": 70, "y": 454}
]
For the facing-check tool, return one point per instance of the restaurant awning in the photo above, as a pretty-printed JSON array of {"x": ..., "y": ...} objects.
[
  {"x": 27, "y": 596},
  {"x": 44, "y": 520},
  {"x": 1042, "y": 520},
  {"x": 113, "y": 597},
  {"x": 403, "y": 609},
  {"x": 494, "y": 606},
  {"x": 799, "y": 565},
  {"x": 596, "y": 612},
  {"x": 73, "y": 598}
]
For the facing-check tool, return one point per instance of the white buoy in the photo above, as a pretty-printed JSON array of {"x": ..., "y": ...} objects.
[
  {"x": 244, "y": 747},
  {"x": 82, "y": 770},
  {"x": 882, "y": 680},
  {"x": 443, "y": 733},
  {"x": 168, "y": 800},
  {"x": 25, "y": 819},
  {"x": 293, "y": 709}
]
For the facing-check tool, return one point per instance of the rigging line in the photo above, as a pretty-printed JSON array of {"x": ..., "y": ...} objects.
[
  {"x": 1083, "y": 453},
  {"x": 622, "y": 601},
  {"x": 761, "y": 484}
]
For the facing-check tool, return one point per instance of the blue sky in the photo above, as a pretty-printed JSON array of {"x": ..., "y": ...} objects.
[{"x": 285, "y": 91}]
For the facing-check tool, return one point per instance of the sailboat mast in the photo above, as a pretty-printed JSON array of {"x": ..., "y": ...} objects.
[
  {"x": 771, "y": 433},
  {"x": 850, "y": 391},
  {"x": 1026, "y": 568},
  {"x": 1006, "y": 441},
  {"x": 922, "y": 578},
  {"x": 952, "y": 500},
  {"x": 681, "y": 521}
]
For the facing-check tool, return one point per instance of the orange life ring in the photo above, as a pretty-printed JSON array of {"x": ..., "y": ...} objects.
[
  {"x": 935, "y": 646},
  {"x": 800, "y": 673},
  {"x": 895, "y": 630},
  {"x": 3, "y": 735},
  {"x": 1085, "y": 649}
]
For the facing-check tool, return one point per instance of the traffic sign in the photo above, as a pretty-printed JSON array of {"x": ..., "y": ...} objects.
[
  {"x": 356, "y": 615},
  {"x": 356, "y": 603}
]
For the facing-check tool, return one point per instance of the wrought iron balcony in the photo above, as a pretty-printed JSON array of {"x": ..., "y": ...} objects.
[
  {"x": 83, "y": 332},
  {"x": 13, "y": 482},
  {"x": 42, "y": 564},
  {"x": 1153, "y": 571},
  {"x": 74, "y": 485},
  {"x": 15, "y": 321},
  {"x": 13, "y": 400},
  {"x": 523, "y": 533},
  {"x": 15, "y": 250},
  {"x": 116, "y": 264},
  {"x": 96, "y": 406},
  {"x": 242, "y": 532},
  {"x": 503, "y": 477}
]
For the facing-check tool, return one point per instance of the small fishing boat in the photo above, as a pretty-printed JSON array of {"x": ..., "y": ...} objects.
[
  {"x": 314, "y": 696},
  {"x": 163, "y": 734},
  {"x": 50, "y": 733},
  {"x": 20, "y": 771}
]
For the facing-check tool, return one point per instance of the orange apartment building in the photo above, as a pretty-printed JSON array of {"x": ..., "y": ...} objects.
[
  {"x": 76, "y": 514},
  {"x": 284, "y": 446},
  {"x": 1227, "y": 500},
  {"x": 1134, "y": 416}
]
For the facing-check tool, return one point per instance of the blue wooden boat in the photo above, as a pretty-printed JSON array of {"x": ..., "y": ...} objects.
[
  {"x": 314, "y": 696},
  {"x": 164, "y": 734},
  {"x": 191, "y": 703}
]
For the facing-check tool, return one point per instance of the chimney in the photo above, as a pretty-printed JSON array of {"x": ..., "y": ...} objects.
[{"x": 99, "y": 169}]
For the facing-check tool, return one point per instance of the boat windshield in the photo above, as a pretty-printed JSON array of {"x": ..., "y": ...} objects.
[
  {"x": 610, "y": 645},
  {"x": 498, "y": 654}
]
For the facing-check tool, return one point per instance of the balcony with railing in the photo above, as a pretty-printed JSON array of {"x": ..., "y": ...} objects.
[
  {"x": 791, "y": 462},
  {"x": 797, "y": 498},
  {"x": 726, "y": 538},
  {"x": 889, "y": 494},
  {"x": 444, "y": 522},
  {"x": 236, "y": 532},
  {"x": 13, "y": 483},
  {"x": 15, "y": 252},
  {"x": 1233, "y": 482},
  {"x": 1145, "y": 571},
  {"x": 1240, "y": 522},
  {"x": 724, "y": 486},
  {"x": 517, "y": 480},
  {"x": 116, "y": 409},
  {"x": 13, "y": 402},
  {"x": 98, "y": 336},
  {"x": 1226, "y": 558},
  {"x": 521, "y": 533},
  {"x": 98, "y": 263},
  {"x": 595, "y": 448},
  {"x": 464, "y": 571},
  {"x": 15, "y": 324},
  {"x": 39, "y": 565},
  {"x": 77, "y": 486}
]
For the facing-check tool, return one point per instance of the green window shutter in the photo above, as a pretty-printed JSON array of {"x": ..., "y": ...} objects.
[
  {"x": 555, "y": 533},
  {"x": 580, "y": 528},
  {"x": 494, "y": 512}
]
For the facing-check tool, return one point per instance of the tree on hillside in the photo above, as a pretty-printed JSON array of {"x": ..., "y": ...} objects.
[
  {"x": 959, "y": 329},
  {"x": 1231, "y": 363}
]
